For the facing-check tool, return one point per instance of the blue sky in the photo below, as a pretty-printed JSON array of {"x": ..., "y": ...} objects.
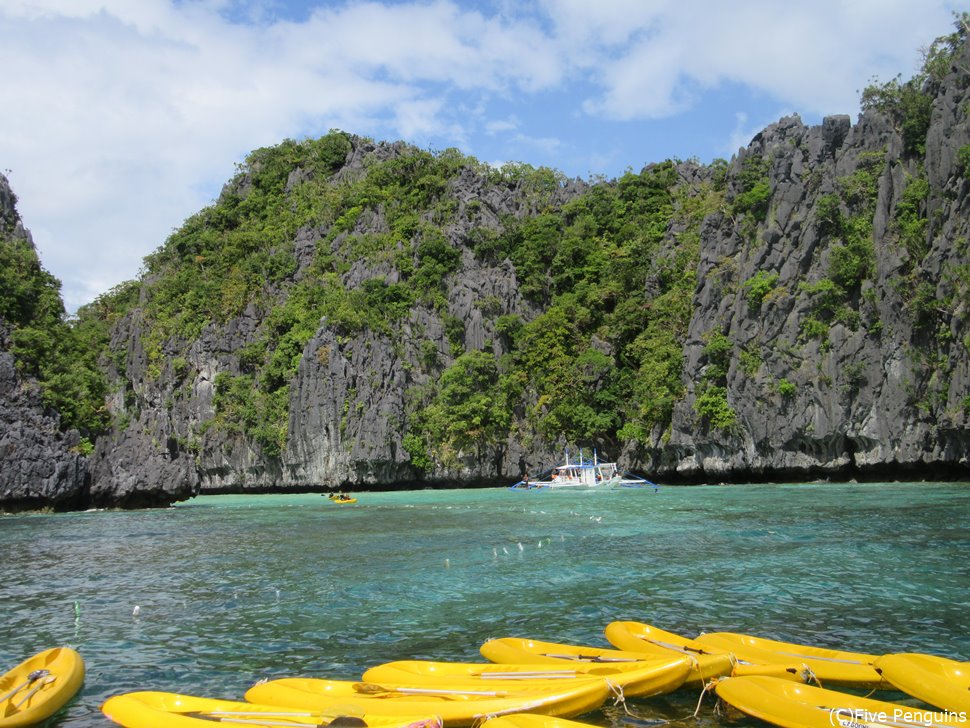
[{"x": 123, "y": 117}]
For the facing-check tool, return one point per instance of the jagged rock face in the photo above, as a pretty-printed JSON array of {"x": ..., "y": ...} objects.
[
  {"x": 143, "y": 464},
  {"x": 856, "y": 402},
  {"x": 39, "y": 465},
  {"x": 863, "y": 403},
  {"x": 870, "y": 378},
  {"x": 348, "y": 400}
]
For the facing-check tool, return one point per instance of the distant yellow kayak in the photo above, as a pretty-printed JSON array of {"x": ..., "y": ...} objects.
[
  {"x": 834, "y": 667},
  {"x": 39, "y": 686},
  {"x": 531, "y": 720},
  {"x": 636, "y": 679},
  {"x": 456, "y": 705},
  {"x": 793, "y": 705},
  {"x": 637, "y": 636},
  {"x": 520, "y": 650},
  {"x": 341, "y": 499},
  {"x": 172, "y": 710},
  {"x": 934, "y": 680}
]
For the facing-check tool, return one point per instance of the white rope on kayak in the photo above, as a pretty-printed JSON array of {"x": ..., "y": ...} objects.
[
  {"x": 618, "y": 697},
  {"x": 709, "y": 688},
  {"x": 808, "y": 675}
]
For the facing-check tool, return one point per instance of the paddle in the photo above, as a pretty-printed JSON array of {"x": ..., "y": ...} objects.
[
  {"x": 679, "y": 648},
  {"x": 259, "y": 717},
  {"x": 590, "y": 658},
  {"x": 374, "y": 689},
  {"x": 47, "y": 681},
  {"x": 35, "y": 675},
  {"x": 253, "y": 721}
]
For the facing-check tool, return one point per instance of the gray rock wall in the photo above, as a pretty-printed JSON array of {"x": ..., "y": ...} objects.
[
  {"x": 40, "y": 466},
  {"x": 883, "y": 393},
  {"x": 882, "y": 402}
]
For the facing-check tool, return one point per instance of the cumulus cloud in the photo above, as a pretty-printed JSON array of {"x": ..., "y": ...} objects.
[
  {"x": 811, "y": 55},
  {"x": 123, "y": 117}
]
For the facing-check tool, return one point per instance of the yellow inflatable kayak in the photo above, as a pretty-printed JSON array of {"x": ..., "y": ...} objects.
[
  {"x": 636, "y": 679},
  {"x": 39, "y": 686},
  {"x": 640, "y": 637},
  {"x": 171, "y": 710},
  {"x": 934, "y": 680},
  {"x": 457, "y": 705},
  {"x": 637, "y": 636},
  {"x": 336, "y": 499},
  {"x": 792, "y": 705},
  {"x": 836, "y": 667},
  {"x": 531, "y": 720},
  {"x": 512, "y": 650}
]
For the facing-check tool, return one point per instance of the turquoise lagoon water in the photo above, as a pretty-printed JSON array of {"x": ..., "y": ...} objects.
[{"x": 231, "y": 589}]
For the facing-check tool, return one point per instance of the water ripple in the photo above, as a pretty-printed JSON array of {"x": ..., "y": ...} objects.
[{"x": 231, "y": 589}]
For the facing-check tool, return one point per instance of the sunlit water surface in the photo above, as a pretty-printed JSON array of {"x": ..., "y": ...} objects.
[{"x": 231, "y": 589}]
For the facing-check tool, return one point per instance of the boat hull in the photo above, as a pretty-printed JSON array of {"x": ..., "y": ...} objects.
[
  {"x": 793, "y": 705},
  {"x": 935, "y": 680},
  {"x": 173, "y": 710},
  {"x": 636, "y": 679},
  {"x": 520, "y": 650},
  {"x": 39, "y": 686},
  {"x": 831, "y": 667},
  {"x": 456, "y": 706},
  {"x": 640, "y": 637}
]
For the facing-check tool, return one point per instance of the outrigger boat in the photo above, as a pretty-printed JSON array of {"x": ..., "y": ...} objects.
[{"x": 583, "y": 474}]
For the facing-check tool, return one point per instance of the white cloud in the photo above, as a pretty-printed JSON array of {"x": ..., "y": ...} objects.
[
  {"x": 497, "y": 126},
  {"x": 808, "y": 54},
  {"x": 547, "y": 146},
  {"x": 123, "y": 117}
]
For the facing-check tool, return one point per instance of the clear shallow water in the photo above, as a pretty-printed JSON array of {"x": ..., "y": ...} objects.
[{"x": 232, "y": 589}]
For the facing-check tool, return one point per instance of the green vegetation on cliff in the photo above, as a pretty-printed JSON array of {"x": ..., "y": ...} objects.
[
  {"x": 392, "y": 248},
  {"x": 61, "y": 356},
  {"x": 585, "y": 263}
]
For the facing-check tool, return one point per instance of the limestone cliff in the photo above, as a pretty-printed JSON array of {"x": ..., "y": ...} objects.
[
  {"x": 40, "y": 466},
  {"x": 360, "y": 314}
]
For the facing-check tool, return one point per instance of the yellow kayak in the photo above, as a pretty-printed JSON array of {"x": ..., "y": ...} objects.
[
  {"x": 934, "y": 680},
  {"x": 510, "y": 650},
  {"x": 457, "y": 705},
  {"x": 636, "y": 679},
  {"x": 39, "y": 686},
  {"x": 792, "y": 705},
  {"x": 640, "y": 637},
  {"x": 837, "y": 667},
  {"x": 531, "y": 720},
  {"x": 171, "y": 710}
]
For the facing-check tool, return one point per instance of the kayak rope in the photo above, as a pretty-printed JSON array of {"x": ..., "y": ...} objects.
[
  {"x": 709, "y": 687},
  {"x": 805, "y": 674},
  {"x": 808, "y": 675},
  {"x": 618, "y": 697}
]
